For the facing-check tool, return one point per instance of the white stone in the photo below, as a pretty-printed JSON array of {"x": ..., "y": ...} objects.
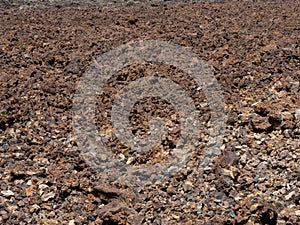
[{"x": 7, "y": 193}]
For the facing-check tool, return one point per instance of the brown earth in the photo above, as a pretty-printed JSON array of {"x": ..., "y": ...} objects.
[{"x": 254, "y": 51}]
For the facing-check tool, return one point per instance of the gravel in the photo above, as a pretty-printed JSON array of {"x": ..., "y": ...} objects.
[{"x": 253, "y": 49}]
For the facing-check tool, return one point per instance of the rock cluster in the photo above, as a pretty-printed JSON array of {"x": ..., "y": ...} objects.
[{"x": 254, "y": 51}]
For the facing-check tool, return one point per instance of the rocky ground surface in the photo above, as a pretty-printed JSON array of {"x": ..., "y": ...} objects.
[{"x": 254, "y": 51}]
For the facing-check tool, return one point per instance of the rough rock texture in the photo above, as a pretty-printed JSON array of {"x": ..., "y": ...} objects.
[{"x": 254, "y": 50}]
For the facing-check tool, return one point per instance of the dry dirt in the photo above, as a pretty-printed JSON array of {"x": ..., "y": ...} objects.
[{"x": 254, "y": 51}]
